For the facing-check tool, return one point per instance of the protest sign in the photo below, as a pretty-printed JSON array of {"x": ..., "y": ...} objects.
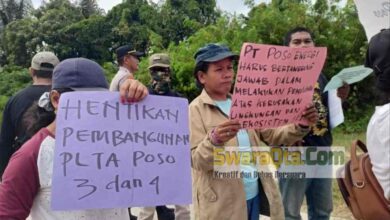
[
  {"x": 374, "y": 15},
  {"x": 274, "y": 84},
  {"x": 349, "y": 75},
  {"x": 111, "y": 155}
]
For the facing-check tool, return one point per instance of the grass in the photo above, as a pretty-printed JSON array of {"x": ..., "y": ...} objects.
[{"x": 340, "y": 209}]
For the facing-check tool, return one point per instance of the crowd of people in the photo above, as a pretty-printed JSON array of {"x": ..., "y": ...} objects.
[{"x": 27, "y": 137}]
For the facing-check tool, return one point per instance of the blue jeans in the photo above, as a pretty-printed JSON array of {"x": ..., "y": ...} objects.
[
  {"x": 318, "y": 197},
  {"x": 253, "y": 208}
]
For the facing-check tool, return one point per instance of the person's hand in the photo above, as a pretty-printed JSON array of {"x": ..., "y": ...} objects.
[
  {"x": 132, "y": 90},
  {"x": 224, "y": 132},
  {"x": 311, "y": 115},
  {"x": 343, "y": 91}
]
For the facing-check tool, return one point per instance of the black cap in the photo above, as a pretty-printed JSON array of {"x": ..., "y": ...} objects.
[{"x": 127, "y": 50}]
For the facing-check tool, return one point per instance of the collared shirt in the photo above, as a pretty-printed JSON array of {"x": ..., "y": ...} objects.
[{"x": 122, "y": 74}]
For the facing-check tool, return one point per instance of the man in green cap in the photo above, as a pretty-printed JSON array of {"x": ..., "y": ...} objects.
[{"x": 160, "y": 71}]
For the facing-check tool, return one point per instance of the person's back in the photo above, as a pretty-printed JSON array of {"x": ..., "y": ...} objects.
[
  {"x": 378, "y": 131},
  {"x": 13, "y": 133},
  {"x": 17, "y": 105}
]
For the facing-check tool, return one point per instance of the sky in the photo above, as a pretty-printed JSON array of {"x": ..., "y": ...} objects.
[{"x": 231, "y": 6}]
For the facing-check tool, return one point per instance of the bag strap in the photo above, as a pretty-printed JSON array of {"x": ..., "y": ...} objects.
[
  {"x": 361, "y": 145},
  {"x": 356, "y": 171},
  {"x": 354, "y": 160}
]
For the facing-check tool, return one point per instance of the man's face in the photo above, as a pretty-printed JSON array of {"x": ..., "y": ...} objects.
[
  {"x": 301, "y": 40},
  {"x": 131, "y": 63},
  {"x": 161, "y": 79},
  {"x": 160, "y": 73}
]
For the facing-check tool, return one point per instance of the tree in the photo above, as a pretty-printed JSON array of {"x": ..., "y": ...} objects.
[
  {"x": 88, "y": 38},
  {"x": 11, "y": 10},
  {"x": 131, "y": 23},
  {"x": 89, "y": 8},
  {"x": 17, "y": 41},
  {"x": 53, "y": 19},
  {"x": 179, "y": 19},
  {"x": 23, "y": 38}
]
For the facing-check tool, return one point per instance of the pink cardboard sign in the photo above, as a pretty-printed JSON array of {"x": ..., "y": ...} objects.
[{"x": 274, "y": 84}]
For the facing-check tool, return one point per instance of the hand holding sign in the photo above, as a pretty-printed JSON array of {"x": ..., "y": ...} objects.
[
  {"x": 310, "y": 114},
  {"x": 224, "y": 132},
  {"x": 132, "y": 90}
]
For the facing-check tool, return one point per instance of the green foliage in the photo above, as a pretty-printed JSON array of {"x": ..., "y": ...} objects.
[
  {"x": 131, "y": 22},
  {"x": 52, "y": 27},
  {"x": 12, "y": 10},
  {"x": 17, "y": 41},
  {"x": 182, "y": 55},
  {"x": 179, "y": 19},
  {"x": 87, "y": 38},
  {"x": 89, "y": 8},
  {"x": 110, "y": 70},
  {"x": 12, "y": 79},
  {"x": 23, "y": 38},
  {"x": 180, "y": 27}
]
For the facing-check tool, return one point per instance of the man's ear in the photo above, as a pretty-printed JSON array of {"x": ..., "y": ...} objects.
[
  {"x": 55, "y": 98},
  {"x": 31, "y": 72},
  {"x": 126, "y": 59}
]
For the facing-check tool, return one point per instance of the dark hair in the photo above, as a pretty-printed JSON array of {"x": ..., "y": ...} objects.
[
  {"x": 287, "y": 37},
  {"x": 44, "y": 73},
  {"x": 120, "y": 60},
  {"x": 36, "y": 118},
  {"x": 201, "y": 66}
]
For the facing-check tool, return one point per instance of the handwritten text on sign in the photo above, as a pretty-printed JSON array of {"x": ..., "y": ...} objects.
[
  {"x": 274, "y": 84},
  {"x": 111, "y": 155}
]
